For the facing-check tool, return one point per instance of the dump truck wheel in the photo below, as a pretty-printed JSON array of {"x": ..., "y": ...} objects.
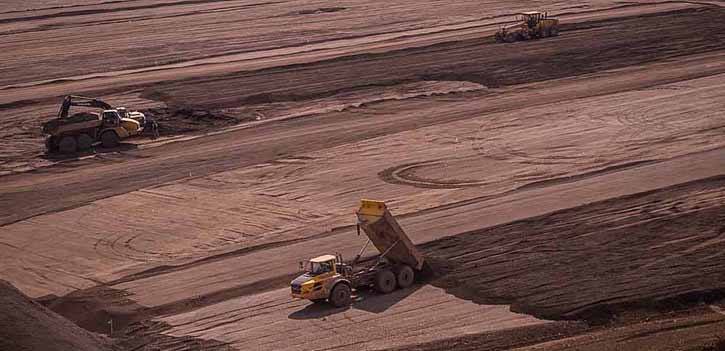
[
  {"x": 51, "y": 144},
  {"x": 109, "y": 139},
  {"x": 85, "y": 142},
  {"x": 406, "y": 276},
  {"x": 554, "y": 32},
  {"x": 67, "y": 145},
  {"x": 385, "y": 281},
  {"x": 340, "y": 295},
  {"x": 499, "y": 37}
]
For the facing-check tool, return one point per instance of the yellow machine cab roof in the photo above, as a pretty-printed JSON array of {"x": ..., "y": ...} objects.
[{"x": 323, "y": 258}]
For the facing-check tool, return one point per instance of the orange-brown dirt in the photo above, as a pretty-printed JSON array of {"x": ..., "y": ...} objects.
[
  {"x": 25, "y": 325},
  {"x": 568, "y": 192}
]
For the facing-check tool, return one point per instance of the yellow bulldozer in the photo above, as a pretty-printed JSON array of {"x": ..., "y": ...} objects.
[{"x": 532, "y": 25}]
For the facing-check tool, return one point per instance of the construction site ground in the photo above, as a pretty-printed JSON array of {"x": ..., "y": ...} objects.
[{"x": 569, "y": 192}]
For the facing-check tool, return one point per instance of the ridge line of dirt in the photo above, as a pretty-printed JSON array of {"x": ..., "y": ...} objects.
[
  {"x": 118, "y": 9},
  {"x": 6, "y": 223},
  {"x": 166, "y": 269}
]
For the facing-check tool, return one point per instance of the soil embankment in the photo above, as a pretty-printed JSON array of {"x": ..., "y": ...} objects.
[{"x": 25, "y": 325}]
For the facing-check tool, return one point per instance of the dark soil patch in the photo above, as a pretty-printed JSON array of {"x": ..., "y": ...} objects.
[
  {"x": 174, "y": 121},
  {"x": 321, "y": 10},
  {"x": 716, "y": 346},
  {"x": 581, "y": 49},
  {"x": 645, "y": 252}
]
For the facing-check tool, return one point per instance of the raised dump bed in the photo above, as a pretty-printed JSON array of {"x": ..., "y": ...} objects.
[{"x": 385, "y": 233}]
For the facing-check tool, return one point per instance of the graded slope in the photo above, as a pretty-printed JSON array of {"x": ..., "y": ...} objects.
[{"x": 25, "y": 325}]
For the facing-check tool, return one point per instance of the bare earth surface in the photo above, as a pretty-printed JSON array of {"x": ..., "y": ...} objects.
[{"x": 568, "y": 192}]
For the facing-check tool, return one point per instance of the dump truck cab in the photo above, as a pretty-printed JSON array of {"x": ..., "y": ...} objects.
[{"x": 319, "y": 278}]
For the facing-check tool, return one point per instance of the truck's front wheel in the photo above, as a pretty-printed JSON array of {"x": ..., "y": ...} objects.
[
  {"x": 51, "y": 144},
  {"x": 340, "y": 295}
]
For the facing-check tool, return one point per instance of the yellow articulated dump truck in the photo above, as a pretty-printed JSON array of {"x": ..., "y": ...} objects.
[
  {"x": 329, "y": 278},
  {"x": 80, "y": 131}
]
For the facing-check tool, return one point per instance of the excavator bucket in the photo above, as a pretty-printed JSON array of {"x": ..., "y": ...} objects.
[{"x": 385, "y": 233}]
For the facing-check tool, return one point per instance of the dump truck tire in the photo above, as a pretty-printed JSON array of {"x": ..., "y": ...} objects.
[
  {"x": 406, "y": 276},
  {"x": 85, "y": 142},
  {"x": 110, "y": 139},
  {"x": 340, "y": 296},
  {"x": 554, "y": 32},
  {"x": 385, "y": 281},
  {"x": 499, "y": 37},
  {"x": 67, "y": 145},
  {"x": 51, "y": 144}
]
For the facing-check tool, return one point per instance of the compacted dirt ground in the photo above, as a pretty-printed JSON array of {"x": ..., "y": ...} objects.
[{"x": 567, "y": 192}]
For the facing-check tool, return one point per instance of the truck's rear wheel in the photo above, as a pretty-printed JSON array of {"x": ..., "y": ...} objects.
[
  {"x": 110, "y": 139},
  {"x": 85, "y": 142},
  {"x": 385, "y": 281},
  {"x": 67, "y": 145},
  {"x": 340, "y": 296},
  {"x": 406, "y": 276}
]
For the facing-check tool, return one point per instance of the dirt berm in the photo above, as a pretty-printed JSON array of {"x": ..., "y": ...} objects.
[{"x": 26, "y": 325}]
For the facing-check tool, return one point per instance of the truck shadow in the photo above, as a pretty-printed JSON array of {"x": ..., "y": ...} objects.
[
  {"x": 99, "y": 150},
  {"x": 364, "y": 299}
]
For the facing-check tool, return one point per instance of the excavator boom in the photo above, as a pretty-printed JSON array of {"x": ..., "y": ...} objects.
[{"x": 76, "y": 100}]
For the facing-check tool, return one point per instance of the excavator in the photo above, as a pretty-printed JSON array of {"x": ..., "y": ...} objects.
[
  {"x": 71, "y": 133},
  {"x": 328, "y": 278},
  {"x": 532, "y": 25}
]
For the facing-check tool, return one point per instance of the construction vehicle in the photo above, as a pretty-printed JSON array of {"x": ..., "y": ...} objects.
[
  {"x": 330, "y": 278},
  {"x": 70, "y": 133},
  {"x": 532, "y": 25}
]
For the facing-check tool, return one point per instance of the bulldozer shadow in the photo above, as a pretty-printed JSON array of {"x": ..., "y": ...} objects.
[{"x": 364, "y": 299}]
